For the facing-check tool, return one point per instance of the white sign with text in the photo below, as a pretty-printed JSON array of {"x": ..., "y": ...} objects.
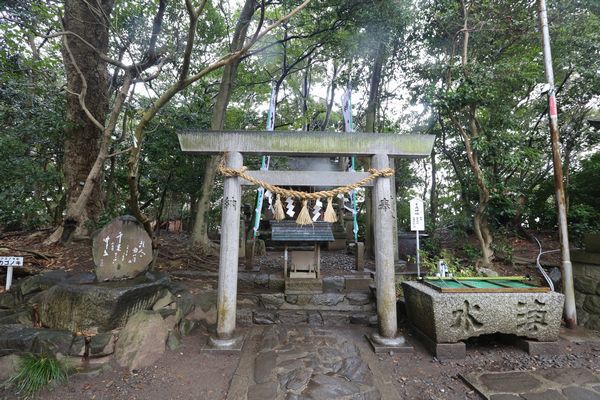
[
  {"x": 417, "y": 215},
  {"x": 10, "y": 262}
]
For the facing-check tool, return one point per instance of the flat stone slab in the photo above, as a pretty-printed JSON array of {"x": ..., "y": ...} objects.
[
  {"x": 442, "y": 351},
  {"x": 20, "y": 339},
  {"x": 452, "y": 317},
  {"x": 579, "y": 335},
  {"x": 99, "y": 307},
  {"x": 382, "y": 348},
  {"x": 290, "y": 362},
  {"x": 545, "y": 384},
  {"x": 214, "y": 345}
]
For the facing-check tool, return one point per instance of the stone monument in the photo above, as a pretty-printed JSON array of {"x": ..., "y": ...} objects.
[{"x": 122, "y": 249}]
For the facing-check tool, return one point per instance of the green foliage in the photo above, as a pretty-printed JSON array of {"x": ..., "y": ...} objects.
[
  {"x": 472, "y": 252},
  {"x": 503, "y": 249},
  {"x": 36, "y": 372},
  {"x": 31, "y": 120},
  {"x": 456, "y": 266}
]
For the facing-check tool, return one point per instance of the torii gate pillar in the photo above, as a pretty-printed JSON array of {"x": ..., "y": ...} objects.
[
  {"x": 383, "y": 218},
  {"x": 228, "y": 259}
]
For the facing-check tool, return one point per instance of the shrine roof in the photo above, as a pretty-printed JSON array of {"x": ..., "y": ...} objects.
[{"x": 290, "y": 231}]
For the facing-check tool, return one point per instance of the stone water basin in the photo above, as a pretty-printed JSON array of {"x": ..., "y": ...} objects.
[{"x": 453, "y": 317}]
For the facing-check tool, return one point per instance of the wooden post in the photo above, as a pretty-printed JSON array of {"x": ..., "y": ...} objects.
[
  {"x": 285, "y": 262},
  {"x": 228, "y": 264},
  {"x": 318, "y": 245},
  {"x": 384, "y": 255}
]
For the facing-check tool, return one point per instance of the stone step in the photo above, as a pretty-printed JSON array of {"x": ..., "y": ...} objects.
[
  {"x": 250, "y": 280},
  {"x": 311, "y": 317},
  {"x": 343, "y": 302}
]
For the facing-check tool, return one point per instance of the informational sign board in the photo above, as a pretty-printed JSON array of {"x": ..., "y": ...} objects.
[
  {"x": 417, "y": 223},
  {"x": 417, "y": 215},
  {"x": 10, "y": 262}
]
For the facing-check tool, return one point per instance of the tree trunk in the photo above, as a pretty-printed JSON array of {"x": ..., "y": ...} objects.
[
  {"x": 82, "y": 143},
  {"x": 331, "y": 98},
  {"x": 480, "y": 222},
  {"x": 200, "y": 230},
  {"x": 371, "y": 114},
  {"x": 373, "y": 103},
  {"x": 433, "y": 196},
  {"x": 305, "y": 94}
]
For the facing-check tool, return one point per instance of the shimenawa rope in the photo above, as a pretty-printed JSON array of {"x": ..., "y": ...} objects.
[{"x": 304, "y": 216}]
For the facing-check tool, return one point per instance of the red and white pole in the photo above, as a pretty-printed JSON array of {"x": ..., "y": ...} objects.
[{"x": 570, "y": 313}]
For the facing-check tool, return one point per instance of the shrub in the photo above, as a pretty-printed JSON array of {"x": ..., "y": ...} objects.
[{"x": 36, "y": 372}]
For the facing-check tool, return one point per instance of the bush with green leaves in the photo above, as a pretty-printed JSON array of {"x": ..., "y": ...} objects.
[
  {"x": 36, "y": 372},
  {"x": 455, "y": 265}
]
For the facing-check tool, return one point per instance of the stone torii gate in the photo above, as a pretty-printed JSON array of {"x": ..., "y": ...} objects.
[{"x": 377, "y": 146}]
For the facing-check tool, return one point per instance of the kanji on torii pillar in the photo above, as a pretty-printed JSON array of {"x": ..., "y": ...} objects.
[{"x": 377, "y": 146}]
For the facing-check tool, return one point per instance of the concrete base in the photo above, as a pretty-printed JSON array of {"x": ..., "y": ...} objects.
[
  {"x": 535, "y": 348},
  {"x": 380, "y": 346},
  {"x": 442, "y": 351},
  {"x": 233, "y": 345}
]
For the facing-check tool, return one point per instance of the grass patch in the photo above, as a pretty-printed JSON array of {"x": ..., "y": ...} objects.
[{"x": 36, "y": 372}]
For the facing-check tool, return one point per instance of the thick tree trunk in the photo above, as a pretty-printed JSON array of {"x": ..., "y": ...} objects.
[
  {"x": 82, "y": 143},
  {"x": 373, "y": 103},
  {"x": 371, "y": 116},
  {"x": 200, "y": 230}
]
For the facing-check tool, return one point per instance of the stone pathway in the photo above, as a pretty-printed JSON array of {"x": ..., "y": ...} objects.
[
  {"x": 545, "y": 384},
  {"x": 301, "y": 363}
]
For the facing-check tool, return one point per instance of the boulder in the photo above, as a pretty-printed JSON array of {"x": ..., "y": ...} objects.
[
  {"x": 122, "y": 249},
  {"x": 487, "y": 272},
  {"x": 8, "y": 366},
  {"x": 22, "y": 315},
  {"x": 45, "y": 281},
  {"x": 164, "y": 301},
  {"x": 102, "y": 344},
  {"x": 99, "y": 307},
  {"x": 15, "y": 338},
  {"x": 142, "y": 341}
]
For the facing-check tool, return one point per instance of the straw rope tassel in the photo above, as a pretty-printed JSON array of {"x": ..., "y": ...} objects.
[
  {"x": 330, "y": 215},
  {"x": 304, "y": 216},
  {"x": 278, "y": 214}
]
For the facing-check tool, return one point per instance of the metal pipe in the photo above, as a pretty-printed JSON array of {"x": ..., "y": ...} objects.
[{"x": 570, "y": 313}]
